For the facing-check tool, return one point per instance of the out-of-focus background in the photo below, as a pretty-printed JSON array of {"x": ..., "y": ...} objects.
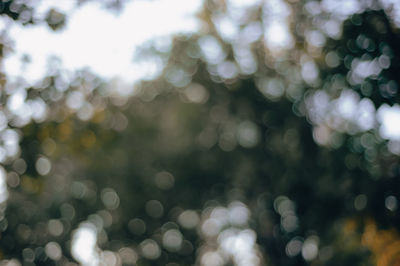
[{"x": 190, "y": 132}]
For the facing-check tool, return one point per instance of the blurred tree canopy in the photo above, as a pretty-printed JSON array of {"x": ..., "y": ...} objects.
[{"x": 252, "y": 147}]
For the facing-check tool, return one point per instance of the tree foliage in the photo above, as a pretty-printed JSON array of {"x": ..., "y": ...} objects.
[{"x": 239, "y": 153}]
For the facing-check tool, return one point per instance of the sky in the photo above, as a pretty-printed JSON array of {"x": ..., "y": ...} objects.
[{"x": 96, "y": 38}]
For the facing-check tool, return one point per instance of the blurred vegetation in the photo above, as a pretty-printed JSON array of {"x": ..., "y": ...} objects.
[{"x": 239, "y": 153}]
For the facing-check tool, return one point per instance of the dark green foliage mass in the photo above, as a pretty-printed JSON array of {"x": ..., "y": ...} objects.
[{"x": 212, "y": 163}]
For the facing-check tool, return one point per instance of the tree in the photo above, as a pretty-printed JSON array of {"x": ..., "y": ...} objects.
[{"x": 242, "y": 152}]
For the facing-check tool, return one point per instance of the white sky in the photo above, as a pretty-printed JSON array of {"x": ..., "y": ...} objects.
[{"x": 97, "y": 38}]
